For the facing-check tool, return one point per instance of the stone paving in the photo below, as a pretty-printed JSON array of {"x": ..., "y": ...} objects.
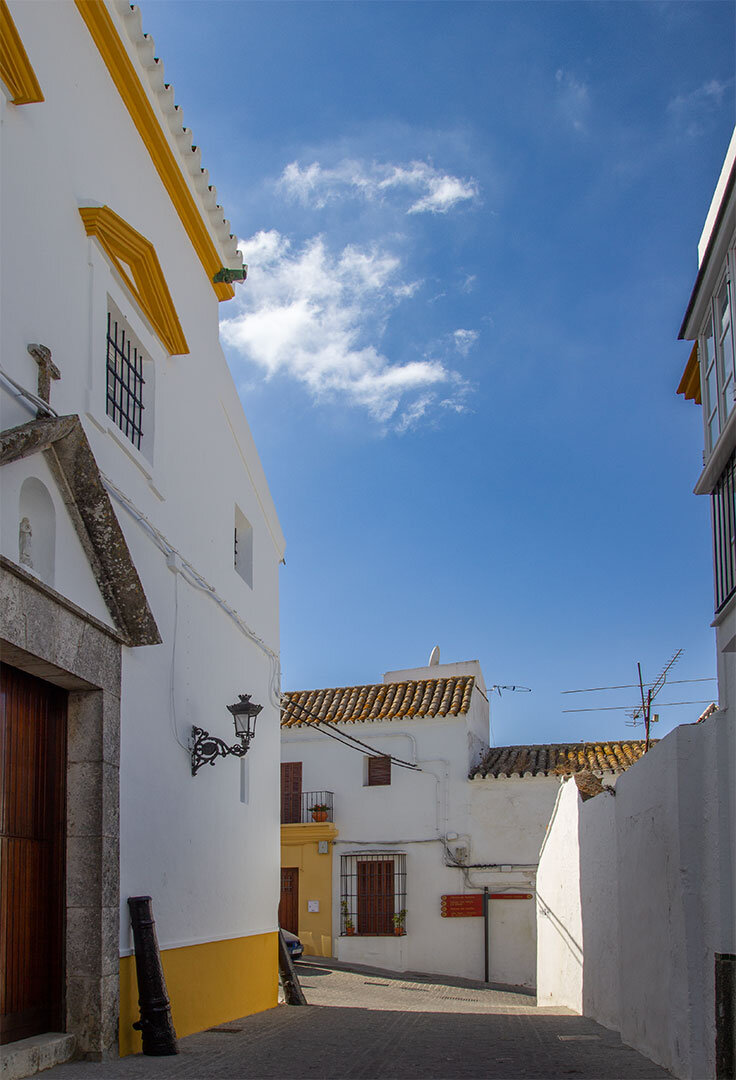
[{"x": 362, "y": 1022}]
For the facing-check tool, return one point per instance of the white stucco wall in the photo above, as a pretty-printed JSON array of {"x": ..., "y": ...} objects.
[
  {"x": 208, "y": 858},
  {"x": 560, "y": 926},
  {"x": 646, "y": 879}
]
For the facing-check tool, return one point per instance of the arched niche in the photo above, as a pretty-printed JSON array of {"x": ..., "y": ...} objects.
[{"x": 37, "y": 529}]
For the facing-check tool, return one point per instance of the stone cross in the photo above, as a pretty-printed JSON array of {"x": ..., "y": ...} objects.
[{"x": 47, "y": 370}]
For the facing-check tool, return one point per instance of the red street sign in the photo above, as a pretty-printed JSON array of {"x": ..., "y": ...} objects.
[
  {"x": 461, "y": 905},
  {"x": 511, "y": 896},
  {"x": 466, "y": 905}
]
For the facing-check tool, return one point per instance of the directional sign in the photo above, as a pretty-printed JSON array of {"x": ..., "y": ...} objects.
[
  {"x": 467, "y": 905},
  {"x": 461, "y": 905}
]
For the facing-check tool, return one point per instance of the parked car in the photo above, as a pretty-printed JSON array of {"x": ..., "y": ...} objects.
[{"x": 293, "y": 944}]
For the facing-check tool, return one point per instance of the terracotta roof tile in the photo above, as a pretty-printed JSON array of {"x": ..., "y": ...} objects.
[
  {"x": 379, "y": 701},
  {"x": 559, "y": 759}
]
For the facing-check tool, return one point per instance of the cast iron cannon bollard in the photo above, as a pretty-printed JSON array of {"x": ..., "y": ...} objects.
[{"x": 155, "y": 1025}]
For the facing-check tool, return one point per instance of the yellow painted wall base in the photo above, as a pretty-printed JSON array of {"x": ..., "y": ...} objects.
[
  {"x": 208, "y": 985},
  {"x": 299, "y": 848}
]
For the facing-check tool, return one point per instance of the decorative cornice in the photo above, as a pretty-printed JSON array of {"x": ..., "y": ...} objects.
[
  {"x": 128, "y": 250},
  {"x": 134, "y": 97},
  {"x": 308, "y": 832},
  {"x": 15, "y": 67},
  {"x": 68, "y": 454}
]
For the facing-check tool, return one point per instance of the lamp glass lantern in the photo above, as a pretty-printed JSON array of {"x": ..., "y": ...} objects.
[{"x": 244, "y": 713}]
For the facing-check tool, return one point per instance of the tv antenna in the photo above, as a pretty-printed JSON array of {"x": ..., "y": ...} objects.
[
  {"x": 645, "y": 709},
  {"x": 525, "y": 689},
  {"x": 642, "y": 714}
]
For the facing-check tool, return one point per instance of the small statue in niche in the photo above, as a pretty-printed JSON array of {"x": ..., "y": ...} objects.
[{"x": 25, "y": 535}]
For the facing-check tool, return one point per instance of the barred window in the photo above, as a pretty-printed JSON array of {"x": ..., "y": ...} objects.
[
  {"x": 724, "y": 533},
  {"x": 373, "y": 894},
  {"x": 125, "y": 382}
]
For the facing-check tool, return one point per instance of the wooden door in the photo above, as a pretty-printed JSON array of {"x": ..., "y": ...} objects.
[
  {"x": 375, "y": 896},
  {"x": 32, "y": 850},
  {"x": 291, "y": 793},
  {"x": 289, "y": 903}
]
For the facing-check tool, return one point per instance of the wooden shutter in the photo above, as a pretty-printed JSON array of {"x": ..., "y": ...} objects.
[
  {"x": 289, "y": 902},
  {"x": 379, "y": 770},
  {"x": 375, "y": 896},
  {"x": 32, "y": 850},
  {"x": 291, "y": 793}
]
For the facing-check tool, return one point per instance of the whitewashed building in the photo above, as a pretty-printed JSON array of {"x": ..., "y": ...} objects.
[
  {"x": 139, "y": 553},
  {"x": 441, "y": 815},
  {"x": 710, "y": 379}
]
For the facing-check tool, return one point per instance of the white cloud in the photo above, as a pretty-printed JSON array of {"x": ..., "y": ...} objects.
[
  {"x": 573, "y": 99},
  {"x": 692, "y": 112},
  {"x": 465, "y": 340},
  {"x": 429, "y": 190},
  {"x": 318, "y": 317}
]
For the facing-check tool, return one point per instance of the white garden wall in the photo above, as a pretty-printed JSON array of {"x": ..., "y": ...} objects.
[{"x": 636, "y": 895}]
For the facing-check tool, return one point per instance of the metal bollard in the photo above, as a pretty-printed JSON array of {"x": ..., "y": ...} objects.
[{"x": 155, "y": 1024}]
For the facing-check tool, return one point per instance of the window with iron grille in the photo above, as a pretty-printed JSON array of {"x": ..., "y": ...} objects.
[
  {"x": 125, "y": 382},
  {"x": 724, "y": 533},
  {"x": 373, "y": 894},
  {"x": 379, "y": 771}
]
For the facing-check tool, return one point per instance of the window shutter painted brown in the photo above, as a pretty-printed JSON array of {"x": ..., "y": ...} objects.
[
  {"x": 291, "y": 792},
  {"x": 379, "y": 770},
  {"x": 375, "y": 896}
]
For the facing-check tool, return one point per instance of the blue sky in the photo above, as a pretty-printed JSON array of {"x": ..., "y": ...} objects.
[{"x": 471, "y": 231}]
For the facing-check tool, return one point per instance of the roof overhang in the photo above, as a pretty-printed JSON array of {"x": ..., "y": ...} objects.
[
  {"x": 62, "y": 441},
  {"x": 686, "y": 330}
]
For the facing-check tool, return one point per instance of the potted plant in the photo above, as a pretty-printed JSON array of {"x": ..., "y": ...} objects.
[
  {"x": 399, "y": 921},
  {"x": 349, "y": 924},
  {"x": 320, "y": 811}
]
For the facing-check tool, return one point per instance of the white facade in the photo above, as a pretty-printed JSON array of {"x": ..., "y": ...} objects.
[
  {"x": 443, "y": 823},
  {"x": 204, "y": 847},
  {"x": 636, "y": 898},
  {"x": 711, "y": 380}
]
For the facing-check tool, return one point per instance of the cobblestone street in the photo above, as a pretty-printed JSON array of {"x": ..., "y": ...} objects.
[{"x": 368, "y": 1023}]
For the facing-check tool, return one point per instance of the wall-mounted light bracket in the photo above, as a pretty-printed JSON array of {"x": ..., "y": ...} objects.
[{"x": 207, "y": 748}]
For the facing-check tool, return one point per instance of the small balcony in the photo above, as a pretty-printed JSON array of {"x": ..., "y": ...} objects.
[{"x": 298, "y": 808}]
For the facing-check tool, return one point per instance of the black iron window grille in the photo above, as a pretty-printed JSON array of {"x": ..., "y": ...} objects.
[
  {"x": 724, "y": 533},
  {"x": 373, "y": 894},
  {"x": 124, "y": 380},
  {"x": 300, "y": 807}
]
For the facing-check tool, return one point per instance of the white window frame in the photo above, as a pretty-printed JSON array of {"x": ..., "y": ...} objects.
[{"x": 718, "y": 369}]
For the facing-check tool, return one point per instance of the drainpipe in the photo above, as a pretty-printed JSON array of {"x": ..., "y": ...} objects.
[{"x": 485, "y": 932}]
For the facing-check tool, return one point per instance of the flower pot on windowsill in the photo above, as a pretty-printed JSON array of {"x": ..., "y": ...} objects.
[
  {"x": 399, "y": 931},
  {"x": 350, "y": 931}
]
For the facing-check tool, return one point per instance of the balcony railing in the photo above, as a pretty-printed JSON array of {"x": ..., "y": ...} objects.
[{"x": 299, "y": 807}]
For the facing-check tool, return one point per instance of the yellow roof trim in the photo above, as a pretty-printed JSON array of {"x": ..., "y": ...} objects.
[
  {"x": 16, "y": 70},
  {"x": 123, "y": 74},
  {"x": 690, "y": 381},
  {"x": 131, "y": 253}
]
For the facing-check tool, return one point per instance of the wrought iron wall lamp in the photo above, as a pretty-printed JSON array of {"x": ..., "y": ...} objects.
[{"x": 207, "y": 748}]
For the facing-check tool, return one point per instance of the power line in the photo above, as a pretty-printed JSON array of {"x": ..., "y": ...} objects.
[
  {"x": 635, "y": 686},
  {"x": 660, "y": 705},
  {"x": 341, "y": 736}
]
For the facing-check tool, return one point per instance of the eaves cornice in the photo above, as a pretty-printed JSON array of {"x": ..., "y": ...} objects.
[
  {"x": 16, "y": 70},
  {"x": 179, "y": 169}
]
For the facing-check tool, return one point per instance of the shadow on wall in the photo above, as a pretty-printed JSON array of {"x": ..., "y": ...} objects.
[{"x": 657, "y": 897}]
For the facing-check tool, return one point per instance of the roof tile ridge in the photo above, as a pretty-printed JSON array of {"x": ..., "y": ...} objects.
[{"x": 190, "y": 155}]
